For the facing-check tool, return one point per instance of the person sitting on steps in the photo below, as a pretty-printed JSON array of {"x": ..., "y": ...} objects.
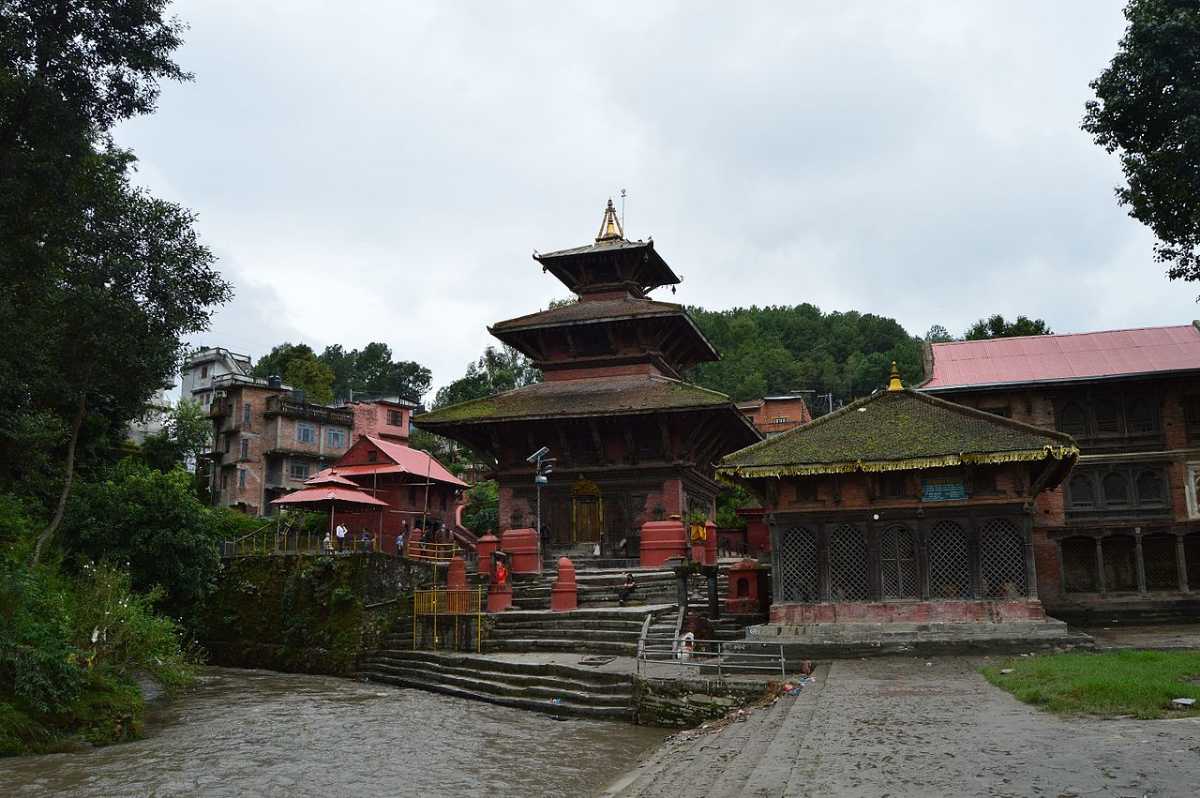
[{"x": 626, "y": 589}]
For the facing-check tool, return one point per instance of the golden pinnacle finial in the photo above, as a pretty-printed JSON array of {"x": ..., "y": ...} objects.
[
  {"x": 894, "y": 383},
  {"x": 610, "y": 228}
]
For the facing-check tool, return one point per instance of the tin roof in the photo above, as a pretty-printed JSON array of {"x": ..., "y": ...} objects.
[
  {"x": 1062, "y": 358},
  {"x": 320, "y": 495}
]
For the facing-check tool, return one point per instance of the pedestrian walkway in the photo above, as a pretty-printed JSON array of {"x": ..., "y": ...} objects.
[{"x": 902, "y": 727}]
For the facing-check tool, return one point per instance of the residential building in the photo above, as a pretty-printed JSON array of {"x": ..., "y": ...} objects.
[
  {"x": 153, "y": 419},
  {"x": 772, "y": 415},
  {"x": 385, "y": 418},
  {"x": 1121, "y": 536},
  {"x": 204, "y": 366},
  {"x": 633, "y": 442},
  {"x": 268, "y": 441}
]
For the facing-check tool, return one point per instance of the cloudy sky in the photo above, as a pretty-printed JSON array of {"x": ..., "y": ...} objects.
[{"x": 376, "y": 171}]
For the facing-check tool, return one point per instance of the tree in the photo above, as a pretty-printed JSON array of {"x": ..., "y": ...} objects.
[
  {"x": 496, "y": 371},
  {"x": 276, "y": 362},
  {"x": 938, "y": 335},
  {"x": 299, "y": 367},
  {"x": 101, "y": 279},
  {"x": 1147, "y": 109},
  {"x": 996, "y": 327}
]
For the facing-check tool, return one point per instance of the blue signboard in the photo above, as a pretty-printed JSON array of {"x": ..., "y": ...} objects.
[{"x": 944, "y": 489}]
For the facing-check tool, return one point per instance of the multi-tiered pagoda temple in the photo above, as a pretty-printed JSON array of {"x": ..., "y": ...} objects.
[{"x": 634, "y": 442}]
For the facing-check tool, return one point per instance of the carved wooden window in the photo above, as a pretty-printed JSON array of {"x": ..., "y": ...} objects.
[
  {"x": 1141, "y": 417},
  {"x": 898, "y": 563},
  {"x": 1158, "y": 562},
  {"x": 1120, "y": 563},
  {"x": 1151, "y": 488},
  {"x": 894, "y": 485},
  {"x": 1001, "y": 559},
  {"x": 1191, "y": 416},
  {"x": 1116, "y": 489},
  {"x": 1080, "y": 493},
  {"x": 1107, "y": 415},
  {"x": 949, "y": 566},
  {"x": 849, "y": 568},
  {"x": 798, "y": 566},
  {"x": 1073, "y": 420},
  {"x": 1192, "y": 490},
  {"x": 1079, "y": 565}
]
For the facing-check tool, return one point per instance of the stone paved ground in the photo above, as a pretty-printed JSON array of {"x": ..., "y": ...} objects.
[
  {"x": 898, "y": 727},
  {"x": 1164, "y": 637}
]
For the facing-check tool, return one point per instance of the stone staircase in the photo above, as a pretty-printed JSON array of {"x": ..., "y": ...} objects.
[
  {"x": 604, "y": 630},
  {"x": 597, "y": 587},
  {"x": 555, "y": 689}
]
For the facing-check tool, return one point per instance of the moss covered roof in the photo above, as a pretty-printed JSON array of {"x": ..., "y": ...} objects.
[
  {"x": 897, "y": 430},
  {"x": 591, "y": 310},
  {"x": 574, "y": 398}
]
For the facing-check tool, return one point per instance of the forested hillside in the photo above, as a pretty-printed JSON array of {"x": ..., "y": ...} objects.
[{"x": 777, "y": 349}]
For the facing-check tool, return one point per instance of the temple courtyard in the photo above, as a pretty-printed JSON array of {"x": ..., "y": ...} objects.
[{"x": 906, "y": 726}]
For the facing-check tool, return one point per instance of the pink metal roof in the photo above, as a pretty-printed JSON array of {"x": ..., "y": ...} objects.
[
  {"x": 322, "y": 495},
  {"x": 415, "y": 461},
  {"x": 1050, "y": 358},
  {"x": 329, "y": 476}
]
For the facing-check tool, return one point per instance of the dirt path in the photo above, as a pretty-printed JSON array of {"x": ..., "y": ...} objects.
[{"x": 899, "y": 727}]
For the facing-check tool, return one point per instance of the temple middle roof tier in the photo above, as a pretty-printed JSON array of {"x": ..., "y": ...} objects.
[
  {"x": 582, "y": 398},
  {"x": 620, "y": 327},
  {"x": 899, "y": 429},
  {"x": 609, "y": 265}
]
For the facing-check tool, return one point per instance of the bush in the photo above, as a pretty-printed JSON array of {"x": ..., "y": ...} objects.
[
  {"x": 39, "y": 666},
  {"x": 152, "y": 523},
  {"x": 483, "y": 502}
]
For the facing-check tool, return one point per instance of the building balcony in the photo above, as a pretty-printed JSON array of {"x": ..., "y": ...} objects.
[
  {"x": 220, "y": 408},
  {"x": 283, "y": 406}
]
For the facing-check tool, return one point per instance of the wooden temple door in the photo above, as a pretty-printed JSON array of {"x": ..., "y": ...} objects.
[{"x": 587, "y": 512}]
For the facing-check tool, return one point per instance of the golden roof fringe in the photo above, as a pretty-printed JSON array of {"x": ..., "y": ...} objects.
[{"x": 944, "y": 461}]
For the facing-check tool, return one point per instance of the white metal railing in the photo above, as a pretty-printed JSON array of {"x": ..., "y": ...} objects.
[{"x": 723, "y": 656}]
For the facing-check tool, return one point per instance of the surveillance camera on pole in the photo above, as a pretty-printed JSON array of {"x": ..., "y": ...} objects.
[{"x": 543, "y": 466}]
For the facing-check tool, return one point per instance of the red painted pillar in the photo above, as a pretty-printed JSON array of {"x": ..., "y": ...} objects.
[
  {"x": 524, "y": 549},
  {"x": 564, "y": 594},
  {"x": 456, "y": 574},
  {"x": 662, "y": 541},
  {"x": 499, "y": 597},
  {"x": 710, "y": 543},
  {"x": 484, "y": 548}
]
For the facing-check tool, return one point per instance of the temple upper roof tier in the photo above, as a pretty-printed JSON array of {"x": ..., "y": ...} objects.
[{"x": 624, "y": 328}]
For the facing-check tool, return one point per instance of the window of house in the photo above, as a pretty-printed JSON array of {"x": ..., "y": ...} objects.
[
  {"x": 335, "y": 438},
  {"x": 1150, "y": 488},
  {"x": 1191, "y": 490},
  {"x": 1072, "y": 420},
  {"x": 244, "y": 452},
  {"x": 297, "y": 470},
  {"x": 779, "y": 420},
  {"x": 1107, "y": 414},
  {"x": 1079, "y": 491},
  {"x": 1141, "y": 417},
  {"x": 226, "y": 444},
  {"x": 241, "y": 477},
  {"x": 246, "y": 408},
  {"x": 306, "y": 433},
  {"x": 396, "y": 418},
  {"x": 893, "y": 485},
  {"x": 204, "y": 372}
]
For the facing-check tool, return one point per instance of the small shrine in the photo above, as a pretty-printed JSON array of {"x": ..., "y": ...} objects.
[{"x": 902, "y": 517}]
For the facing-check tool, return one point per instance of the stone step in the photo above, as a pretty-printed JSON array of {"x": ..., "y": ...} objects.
[
  {"x": 547, "y": 706},
  {"x": 574, "y": 633},
  {"x": 513, "y": 668},
  {"x": 567, "y": 644},
  {"x": 506, "y": 685},
  {"x": 505, "y": 624}
]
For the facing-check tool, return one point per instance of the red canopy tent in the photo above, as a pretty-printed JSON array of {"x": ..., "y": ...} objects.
[{"x": 323, "y": 494}]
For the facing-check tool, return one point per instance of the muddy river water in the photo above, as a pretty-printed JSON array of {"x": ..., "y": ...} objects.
[{"x": 270, "y": 734}]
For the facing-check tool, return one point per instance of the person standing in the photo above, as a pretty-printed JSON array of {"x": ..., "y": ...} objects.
[{"x": 340, "y": 532}]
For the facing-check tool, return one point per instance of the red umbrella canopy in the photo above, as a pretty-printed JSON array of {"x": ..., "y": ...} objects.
[
  {"x": 327, "y": 495},
  {"x": 329, "y": 476}
]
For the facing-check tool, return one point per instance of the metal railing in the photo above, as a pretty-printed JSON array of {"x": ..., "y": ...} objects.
[
  {"x": 272, "y": 538},
  {"x": 723, "y": 657},
  {"x": 448, "y": 603},
  {"x": 430, "y": 552}
]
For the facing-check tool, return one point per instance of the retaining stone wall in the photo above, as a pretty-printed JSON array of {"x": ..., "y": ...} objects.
[{"x": 686, "y": 703}]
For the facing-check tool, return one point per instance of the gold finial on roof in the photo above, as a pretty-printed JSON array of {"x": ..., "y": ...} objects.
[
  {"x": 610, "y": 228},
  {"x": 894, "y": 383}
]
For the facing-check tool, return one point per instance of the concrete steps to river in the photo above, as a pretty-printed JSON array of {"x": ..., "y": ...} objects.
[
  {"x": 551, "y": 688},
  {"x": 605, "y": 630}
]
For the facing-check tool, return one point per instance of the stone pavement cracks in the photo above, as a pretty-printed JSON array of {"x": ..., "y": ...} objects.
[{"x": 894, "y": 726}]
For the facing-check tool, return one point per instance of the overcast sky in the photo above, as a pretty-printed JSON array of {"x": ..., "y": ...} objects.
[{"x": 377, "y": 171}]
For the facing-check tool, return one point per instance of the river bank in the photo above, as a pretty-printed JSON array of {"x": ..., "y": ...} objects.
[
  {"x": 905, "y": 726},
  {"x": 264, "y": 733}
]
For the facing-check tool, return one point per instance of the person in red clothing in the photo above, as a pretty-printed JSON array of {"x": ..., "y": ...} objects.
[{"x": 501, "y": 572}]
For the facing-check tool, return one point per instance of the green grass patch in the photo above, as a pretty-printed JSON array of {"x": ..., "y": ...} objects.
[{"x": 1138, "y": 683}]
